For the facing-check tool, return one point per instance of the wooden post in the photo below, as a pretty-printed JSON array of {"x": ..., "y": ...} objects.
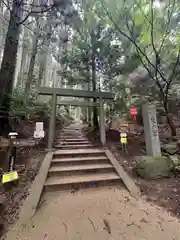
[
  {"x": 52, "y": 122},
  {"x": 102, "y": 122}
]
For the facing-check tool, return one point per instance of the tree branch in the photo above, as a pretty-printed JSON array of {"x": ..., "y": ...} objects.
[
  {"x": 173, "y": 72},
  {"x": 134, "y": 43},
  {"x": 6, "y": 4},
  {"x": 167, "y": 24},
  {"x": 157, "y": 57},
  {"x": 157, "y": 52},
  {"x": 152, "y": 31},
  {"x": 32, "y": 12},
  {"x": 144, "y": 15},
  {"x": 139, "y": 52},
  {"x": 154, "y": 79}
]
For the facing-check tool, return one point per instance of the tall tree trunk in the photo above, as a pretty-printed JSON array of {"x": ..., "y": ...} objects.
[
  {"x": 21, "y": 76},
  {"x": 10, "y": 52},
  {"x": 3, "y": 30},
  {"x": 43, "y": 65},
  {"x": 84, "y": 111},
  {"x": 169, "y": 118},
  {"x": 32, "y": 63},
  {"x": 8, "y": 64},
  {"x": 89, "y": 108},
  {"x": 19, "y": 60},
  {"x": 48, "y": 70},
  {"x": 164, "y": 99},
  {"x": 95, "y": 112},
  {"x": 44, "y": 57},
  {"x": 2, "y": 36},
  {"x": 41, "y": 72}
]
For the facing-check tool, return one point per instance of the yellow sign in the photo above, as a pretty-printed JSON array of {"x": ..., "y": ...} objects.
[
  {"x": 9, "y": 177},
  {"x": 124, "y": 140},
  {"x": 123, "y": 137}
]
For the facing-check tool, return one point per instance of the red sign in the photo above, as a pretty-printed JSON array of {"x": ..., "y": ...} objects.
[{"x": 133, "y": 112}]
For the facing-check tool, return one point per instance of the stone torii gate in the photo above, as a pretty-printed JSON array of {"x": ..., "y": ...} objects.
[{"x": 55, "y": 92}]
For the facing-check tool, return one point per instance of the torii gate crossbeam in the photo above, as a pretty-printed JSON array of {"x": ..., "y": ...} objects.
[{"x": 54, "y": 92}]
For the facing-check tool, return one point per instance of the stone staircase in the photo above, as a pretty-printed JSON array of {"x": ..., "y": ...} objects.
[
  {"x": 72, "y": 139},
  {"x": 77, "y": 163}
]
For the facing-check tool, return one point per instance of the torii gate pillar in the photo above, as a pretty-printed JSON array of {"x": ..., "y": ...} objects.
[
  {"x": 102, "y": 122},
  {"x": 52, "y": 122}
]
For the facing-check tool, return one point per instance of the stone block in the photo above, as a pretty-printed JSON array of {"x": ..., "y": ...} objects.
[
  {"x": 151, "y": 131},
  {"x": 150, "y": 167}
]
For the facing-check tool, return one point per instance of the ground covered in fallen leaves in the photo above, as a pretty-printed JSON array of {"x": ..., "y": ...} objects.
[
  {"x": 29, "y": 160},
  {"x": 164, "y": 192}
]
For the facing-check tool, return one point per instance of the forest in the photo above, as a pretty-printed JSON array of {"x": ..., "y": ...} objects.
[{"x": 130, "y": 48}]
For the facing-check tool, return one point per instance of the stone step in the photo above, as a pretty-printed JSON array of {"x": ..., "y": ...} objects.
[
  {"x": 80, "y": 169},
  {"x": 77, "y": 146},
  {"x": 70, "y": 136},
  {"x": 71, "y": 133},
  {"x": 83, "y": 160},
  {"x": 69, "y": 129},
  {"x": 75, "y": 138},
  {"x": 78, "y": 152},
  {"x": 71, "y": 140},
  {"x": 73, "y": 143},
  {"x": 72, "y": 128},
  {"x": 66, "y": 182}
]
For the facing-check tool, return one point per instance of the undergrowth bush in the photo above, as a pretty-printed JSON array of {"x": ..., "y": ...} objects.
[{"x": 33, "y": 107}]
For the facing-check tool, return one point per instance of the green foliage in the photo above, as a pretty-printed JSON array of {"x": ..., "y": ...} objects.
[
  {"x": 95, "y": 37},
  {"x": 17, "y": 104},
  {"x": 123, "y": 37},
  {"x": 32, "y": 108},
  {"x": 119, "y": 86},
  {"x": 153, "y": 29}
]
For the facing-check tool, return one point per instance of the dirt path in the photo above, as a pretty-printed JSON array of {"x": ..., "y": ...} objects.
[{"x": 99, "y": 214}]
